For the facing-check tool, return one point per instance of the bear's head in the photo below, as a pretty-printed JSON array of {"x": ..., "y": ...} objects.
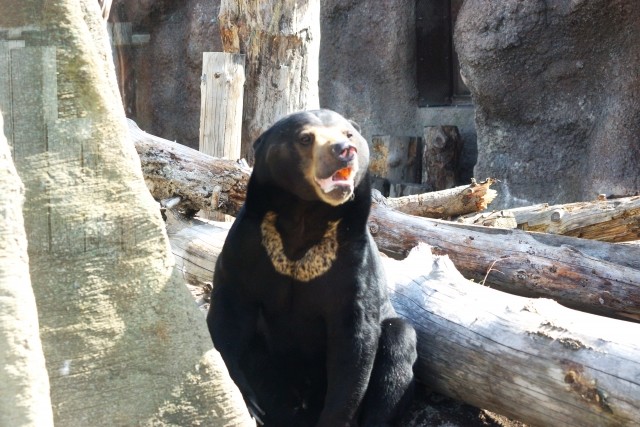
[{"x": 315, "y": 155}]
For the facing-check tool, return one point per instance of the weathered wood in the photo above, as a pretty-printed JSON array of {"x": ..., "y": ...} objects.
[
  {"x": 593, "y": 276},
  {"x": 616, "y": 220},
  {"x": 203, "y": 182},
  {"x": 530, "y": 359},
  {"x": 396, "y": 158},
  {"x": 501, "y": 219},
  {"x": 596, "y": 277},
  {"x": 281, "y": 41},
  {"x": 441, "y": 153},
  {"x": 445, "y": 203},
  {"x": 221, "y": 104}
]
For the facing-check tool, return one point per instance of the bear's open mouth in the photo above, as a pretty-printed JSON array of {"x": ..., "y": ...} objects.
[{"x": 342, "y": 177}]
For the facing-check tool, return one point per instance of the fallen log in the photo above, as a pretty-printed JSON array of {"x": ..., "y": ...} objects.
[
  {"x": 446, "y": 203},
  {"x": 592, "y": 276},
  {"x": 201, "y": 182},
  {"x": 205, "y": 182},
  {"x": 616, "y": 220},
  {"x": 530, "y": 359},
  {"x": 596, "y": 277}
]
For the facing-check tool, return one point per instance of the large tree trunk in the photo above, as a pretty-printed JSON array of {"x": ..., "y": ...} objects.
[
  {"x": 24, "y": 384},
  {"x": 123, "y": 341},
  {"x": 281, "y": 41}
]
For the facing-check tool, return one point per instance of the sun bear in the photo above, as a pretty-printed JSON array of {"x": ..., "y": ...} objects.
[{"x": 299, "y": 310}]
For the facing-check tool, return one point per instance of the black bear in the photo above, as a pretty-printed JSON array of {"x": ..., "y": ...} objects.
[{"x": 300, "y": 311}]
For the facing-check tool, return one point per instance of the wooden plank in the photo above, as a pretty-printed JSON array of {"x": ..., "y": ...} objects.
[
  {"x": 6, "y": 106},
  {"x": 222, "y": 94}
]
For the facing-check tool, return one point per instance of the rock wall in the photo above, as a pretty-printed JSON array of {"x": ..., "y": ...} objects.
[
  {"x": 557, "y": 92},
  {"x": 368, "y": 65},
  {"x": 167, "y": 69}
]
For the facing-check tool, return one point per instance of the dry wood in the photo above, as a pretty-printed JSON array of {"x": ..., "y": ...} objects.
[
  {"x": 202, "y": 182},
  {"x": 616, "y": 220},
  {"x": 446, "y": 203},
  {"x": 532, "y": 360},
  {"x": 281, "y": 41},
  {"x": 221, "y": 104},
  {"x": 501, "y": 219},
  {"x": 440, "y": 156},
  {"x": 592, "y": 276}
]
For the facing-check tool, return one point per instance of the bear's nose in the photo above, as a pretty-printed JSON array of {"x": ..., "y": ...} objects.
[{"x": 344, "y": 151}]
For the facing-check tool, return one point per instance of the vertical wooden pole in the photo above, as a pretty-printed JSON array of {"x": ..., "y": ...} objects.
[
  {"x": 440, "y": 158},
  {"x": 221, "y": 104}
]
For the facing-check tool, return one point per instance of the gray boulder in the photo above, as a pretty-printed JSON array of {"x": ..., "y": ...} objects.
[{"x": 557, "y": 92}]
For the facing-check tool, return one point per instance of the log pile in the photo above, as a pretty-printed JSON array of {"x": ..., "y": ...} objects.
[{"x": 528, "y": 358}]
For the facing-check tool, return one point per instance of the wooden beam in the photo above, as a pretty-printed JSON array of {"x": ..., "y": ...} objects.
[{"x": 221, "y": 104}]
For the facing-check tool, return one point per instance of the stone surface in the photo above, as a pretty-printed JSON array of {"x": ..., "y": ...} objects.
[
  {"x": 168, "y": 68},
  {"x": 367, "y": 65},
  {"x": 557, "y": 93}
]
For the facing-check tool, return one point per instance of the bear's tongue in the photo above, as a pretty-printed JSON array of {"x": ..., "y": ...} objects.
[{"x": 342, "y": 177}]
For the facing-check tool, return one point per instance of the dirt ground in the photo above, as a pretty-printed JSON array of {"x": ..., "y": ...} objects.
[{"x": 429, "y": 409}]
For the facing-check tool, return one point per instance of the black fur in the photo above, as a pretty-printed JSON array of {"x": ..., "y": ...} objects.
[{"x": 329, "y": 351}]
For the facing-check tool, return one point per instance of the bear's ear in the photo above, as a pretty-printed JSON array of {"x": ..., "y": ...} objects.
[{"x": 355, "y": 125}]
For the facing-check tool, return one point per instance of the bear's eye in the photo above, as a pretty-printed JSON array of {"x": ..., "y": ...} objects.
[{"x": 306, "y": 139}]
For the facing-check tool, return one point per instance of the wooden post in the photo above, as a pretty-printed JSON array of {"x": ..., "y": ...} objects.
[
  {"x": 221, "y": 104},
  {"x": 281, "y": 39},
  {"x": 397, "y": 159},
  {"x": 442, "y": 146}
]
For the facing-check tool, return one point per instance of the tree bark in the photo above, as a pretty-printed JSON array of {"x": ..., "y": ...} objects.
[
  {"x": 596, "y": 277},
  {"x": 616, "y": 220},
  {"x": 281, "y": 40},
  {"x": 530, "y": 359},
  {"x": 200, "y": 181},
  {"x": 24, "y": 384},
  {"x": 124, "y": 343},
  {"x": 445, "y": 203}
]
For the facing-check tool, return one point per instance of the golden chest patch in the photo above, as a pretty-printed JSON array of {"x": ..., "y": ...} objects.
[{"x": 317, "y": 261}]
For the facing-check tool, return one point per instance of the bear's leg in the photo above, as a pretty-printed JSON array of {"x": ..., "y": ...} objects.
[{"x": 391, "y": 385}]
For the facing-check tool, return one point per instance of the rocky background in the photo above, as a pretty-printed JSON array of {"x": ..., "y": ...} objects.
[
  {"x": 556, "y": 85},
  {"x": 557, "y": 92}
]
